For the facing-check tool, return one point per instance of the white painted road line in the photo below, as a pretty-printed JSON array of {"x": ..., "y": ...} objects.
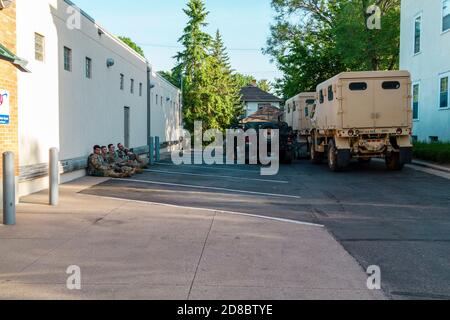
[
  {"x": 210, "y": 210},
  {"x": 209, "y": 188},
  {"x": 434, "y": 172},
  {"x": 210, "y": 167},
  {"x": 214, "y": 176}
]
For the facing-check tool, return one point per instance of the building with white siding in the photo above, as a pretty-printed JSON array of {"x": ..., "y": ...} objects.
[
  {"x": 85, "y": 87},
  {"x": 425, "y": 52}
]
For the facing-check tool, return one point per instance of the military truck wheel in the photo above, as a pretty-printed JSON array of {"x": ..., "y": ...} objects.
[
  {"x": 333, "y": 160},
  {"x": 316, "y": 157},
  {"x": 393, "y": 162}
]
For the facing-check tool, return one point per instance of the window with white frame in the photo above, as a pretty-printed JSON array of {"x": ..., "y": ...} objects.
[
  {"x": 445, "y": 15},
  {"x": 88, "y": 68},
  {"x": 415, "y": 102},
  {"x": 67, "y": 59},
  {"x": 444, "y": 91},
  {"x": 122, "y": 81},
  {"x": 39, "y": 47},
  {"x": 417, "y": 34}
]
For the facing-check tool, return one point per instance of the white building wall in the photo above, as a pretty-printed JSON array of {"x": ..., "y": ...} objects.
[
  {"x": 67, "y": 110},
  {"x": 427, "y": 66},
  {"x": 166, "y": 113}
]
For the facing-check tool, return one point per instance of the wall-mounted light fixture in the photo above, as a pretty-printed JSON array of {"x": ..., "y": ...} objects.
[
  {"x": 5, "y": 4},
  {"x": 110, "y": 62}
]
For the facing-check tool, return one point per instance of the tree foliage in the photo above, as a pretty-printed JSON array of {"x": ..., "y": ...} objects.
[
  {"x": 312, "y": 40},
  {"x": 210, "y": 93},
  {"x": 133, "y": 45}
]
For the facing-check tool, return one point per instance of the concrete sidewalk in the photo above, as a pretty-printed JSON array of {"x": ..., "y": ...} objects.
[{"x": 131, "y": 250}]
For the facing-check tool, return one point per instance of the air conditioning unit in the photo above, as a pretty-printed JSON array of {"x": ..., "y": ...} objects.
[{"x": 5, "y": 4}]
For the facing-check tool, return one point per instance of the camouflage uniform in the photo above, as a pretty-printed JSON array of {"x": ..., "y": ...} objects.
[
  {"x": 97, "y": 167},
  {"x": 122, "y": 155},
  {"x": 118, "y": 164}
]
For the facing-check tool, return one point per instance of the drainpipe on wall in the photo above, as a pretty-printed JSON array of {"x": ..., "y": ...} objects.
[{"x": 149, "y": 110}]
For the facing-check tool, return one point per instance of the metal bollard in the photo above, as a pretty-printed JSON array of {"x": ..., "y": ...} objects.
[
  {"x": 9, "y": 189},
  {"x": 157, "y": 149},
  {"x": 152, "y": 151},
  {"x": 53, "y": 174}
]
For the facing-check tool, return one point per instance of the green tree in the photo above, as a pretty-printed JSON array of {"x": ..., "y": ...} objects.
[
  {"x": 225, "y": 90},
  {"x": 192, "y": 66},
  {"x": 242, "y": 80},
  {"x": 171, "y": 77},
  {"x": 264, "y": 85},
  {"x": 133, "y": 45},
  {"x": 312, "y": 40}
]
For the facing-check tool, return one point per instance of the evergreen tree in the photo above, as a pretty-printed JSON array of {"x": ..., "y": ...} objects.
[
  {"x": 192, "y": 65},
  {"x": 223, "y": 86}
]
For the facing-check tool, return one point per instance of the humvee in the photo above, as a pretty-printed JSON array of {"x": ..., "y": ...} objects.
[{"x": 363, "y": 115}]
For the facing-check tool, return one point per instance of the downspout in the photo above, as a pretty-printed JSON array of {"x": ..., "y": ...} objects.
[{"x": 149, "y": 110}]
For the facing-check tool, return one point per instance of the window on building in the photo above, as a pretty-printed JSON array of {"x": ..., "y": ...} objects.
[
  {"x": 306, "y": 112},
  {"x": 330, "y": 93},
  {"x": 416, "y": 89},
  {"x": 88, "y": 68},
  {"x": 434, "y": 139},
  {"x": 67, "y": 59},
  {"x": 310, "y": 101},
  {"x": 122, "y": 81},
  {"x": 444, "y": 92},
  {"x": 39, "y": 47},
  {"x": 417, "y": 34},
  {"x": 161, "y": 100},
  {"x": 132, "y": 86},
  {"x": 445, "y": 15},
  {"x": 321, "y": 97},
  {"x": 140, "y": 89},
  {"x": 295, "y": 107},
  {"x": 157, "y": 99}
]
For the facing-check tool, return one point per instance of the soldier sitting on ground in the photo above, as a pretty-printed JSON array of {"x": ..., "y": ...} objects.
[
  {"x": 113, "y": 160},
  {"x": 130, "y": 158},
  {"x": 97, "y": 167}
]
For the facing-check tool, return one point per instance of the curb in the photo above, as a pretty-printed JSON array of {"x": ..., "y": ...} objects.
[{"x": 431, "y": 166}]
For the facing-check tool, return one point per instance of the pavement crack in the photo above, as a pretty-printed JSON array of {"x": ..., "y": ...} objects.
[{"x": 201, "y": 256}]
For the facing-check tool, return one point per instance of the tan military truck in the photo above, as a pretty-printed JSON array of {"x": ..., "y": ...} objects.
[
  {"x": 298, "y": 110},
  {"x": 363, "y": 115}
]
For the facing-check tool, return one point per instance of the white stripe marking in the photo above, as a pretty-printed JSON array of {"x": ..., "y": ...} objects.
[
  {"x": 213, "y": 167},
  {"x": 433, "y": 172},
  {"x": 209, "y": 188},
  {"x": 215, "y": 176},
  {"x": 209, "y": 210}
]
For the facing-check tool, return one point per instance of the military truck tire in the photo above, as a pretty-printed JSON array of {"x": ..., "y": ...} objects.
[
  {"x": 333, "y": 159},
  {"x": 364, "y": 161},
  {"x": 393, "y": 162}
]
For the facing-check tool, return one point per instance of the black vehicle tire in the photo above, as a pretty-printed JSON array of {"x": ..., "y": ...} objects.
[
  {"x": 333, "y": 159},
  {"x": 393, "y": 162}
]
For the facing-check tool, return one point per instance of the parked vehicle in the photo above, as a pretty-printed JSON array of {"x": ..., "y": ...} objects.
[
  {"x": 298, "y": 116},
  {"x": 286, "y": 138},
  {"x": 363, "y": 115}
]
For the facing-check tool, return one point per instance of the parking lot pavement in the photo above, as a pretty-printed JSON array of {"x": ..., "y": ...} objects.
[
  {"x": 137, "y": 250},
  {"x": 399, "y": 221}
]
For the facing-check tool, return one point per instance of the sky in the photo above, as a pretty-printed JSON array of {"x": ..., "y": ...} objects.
[{"x": 156, "y": 26}]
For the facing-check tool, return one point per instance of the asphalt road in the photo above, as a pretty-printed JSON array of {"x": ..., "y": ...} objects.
[{"x": 399, "y": 221}]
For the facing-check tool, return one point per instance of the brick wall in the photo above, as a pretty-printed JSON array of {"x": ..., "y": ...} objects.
[{"x": 8, "y": 81}]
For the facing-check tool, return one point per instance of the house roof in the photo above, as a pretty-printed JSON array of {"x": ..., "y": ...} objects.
[
  {"x": 7, "y": 55},
  {"x": 254, "y": 94}
]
